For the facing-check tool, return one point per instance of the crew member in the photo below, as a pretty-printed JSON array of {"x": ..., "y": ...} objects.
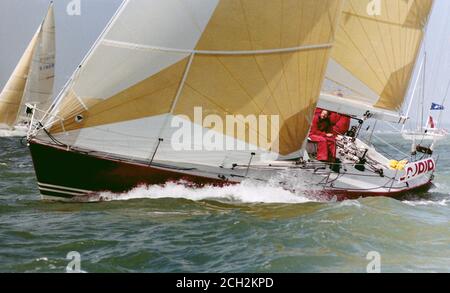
[{"x": 322, "y": 134}]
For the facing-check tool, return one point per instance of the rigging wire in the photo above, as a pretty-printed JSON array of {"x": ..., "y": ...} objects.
[{"x": 391, "y": 145}]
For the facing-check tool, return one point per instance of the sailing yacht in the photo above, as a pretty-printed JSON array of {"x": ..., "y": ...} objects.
[
  {"x": 431, "y": 131},
  {"x": 162, "y": 94},
  {"x": 30, "y": 88},
  {"x": 428, "y": 131}
]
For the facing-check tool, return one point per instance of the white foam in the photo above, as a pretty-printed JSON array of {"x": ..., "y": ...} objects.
[
  {"x": 245, "y": 192},
  {"x": 443, "y": 202},
  {"x": 75, "y": 271},
  {"x": 350, "y": 203}
]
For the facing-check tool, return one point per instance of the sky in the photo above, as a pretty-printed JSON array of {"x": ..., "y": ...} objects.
[
  {"x": 75, "y": 34},
  {"x": 77, "y": 30},
  {"x": 437, "y": 70}
]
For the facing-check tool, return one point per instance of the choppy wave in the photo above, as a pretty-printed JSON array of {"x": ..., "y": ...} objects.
[
  {"x": 349, "y": 203},
  {"x": 245, "y": 192},
  {"x": 440, "y": 187},
  {"x": 219, "y": 229},
  {"x": 443, "y": 202}
]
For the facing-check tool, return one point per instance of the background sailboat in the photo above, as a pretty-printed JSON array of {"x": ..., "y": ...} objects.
[
  {"x": 31, "y": 82},
  {"x": 428, "y": 130},
  {"x": 429, "y": 87}
]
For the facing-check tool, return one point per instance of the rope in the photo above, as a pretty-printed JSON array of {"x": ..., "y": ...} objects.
[{"x": 54, "y": 139}]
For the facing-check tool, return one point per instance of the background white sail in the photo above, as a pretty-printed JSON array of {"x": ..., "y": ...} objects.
[
  {"x": 162, "y": 58},
  {"x": 41, "y": 78},
  {"x": 12, "y": 93},
  {"x": 33, "y": 76}
]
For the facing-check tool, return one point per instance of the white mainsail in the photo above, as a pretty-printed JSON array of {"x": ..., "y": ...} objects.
[
  {"x": 374, "y": 56},
  {"x": 33, "y": 78},
  {"x": 162, "y": 58}
]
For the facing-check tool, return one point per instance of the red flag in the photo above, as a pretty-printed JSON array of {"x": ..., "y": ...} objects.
[{"x": 431, "y": 122}]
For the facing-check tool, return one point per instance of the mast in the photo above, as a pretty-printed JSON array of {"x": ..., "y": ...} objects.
[
  {"x": 423, "y": 92},
  {"x": 413, "y": 93}
]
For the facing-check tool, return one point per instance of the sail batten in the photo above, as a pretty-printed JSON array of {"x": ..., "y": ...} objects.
[{"x": 133, "y": 46}]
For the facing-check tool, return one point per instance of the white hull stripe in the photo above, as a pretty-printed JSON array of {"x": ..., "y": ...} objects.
[
  {"x": 64, "y": 188},
  {"x": 60, "y": 191}
]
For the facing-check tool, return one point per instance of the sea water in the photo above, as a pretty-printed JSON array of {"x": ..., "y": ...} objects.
[{"x": 242, "y": 228}]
